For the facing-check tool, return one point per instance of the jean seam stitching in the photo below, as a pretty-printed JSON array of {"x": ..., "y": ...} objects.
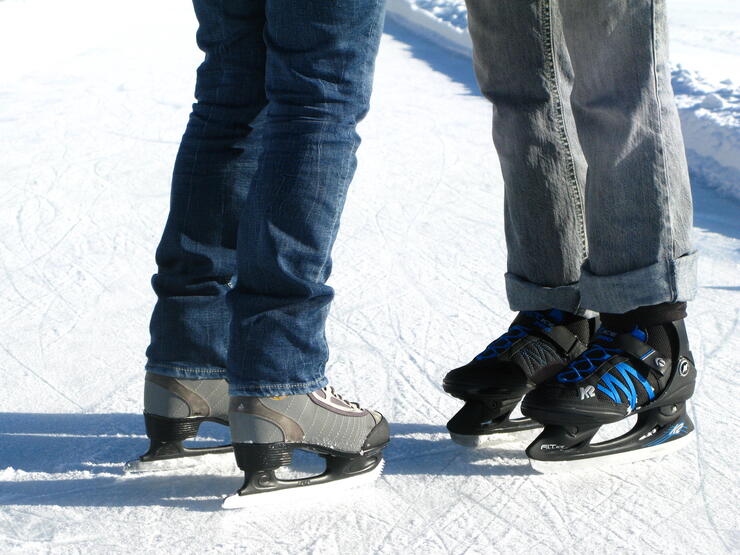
[
  {"x": 280, "y": 386},
  {"x": 553, "y": 81},
  {"x": 661, "y": 149},
  {"x": 171, "y": 366}
]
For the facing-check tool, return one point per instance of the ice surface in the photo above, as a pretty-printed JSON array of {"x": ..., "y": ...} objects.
[{"x": 94, "y": 97}]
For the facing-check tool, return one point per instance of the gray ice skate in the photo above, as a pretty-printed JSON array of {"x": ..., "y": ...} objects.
[
  {"x": 266, "y": 430},
  {"x": 174, "y": 409}
]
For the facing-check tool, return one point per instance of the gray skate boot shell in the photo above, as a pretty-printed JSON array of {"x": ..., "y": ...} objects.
[
  {"x": 185, "y": 398},
  {"x": 312, "y": 419}
]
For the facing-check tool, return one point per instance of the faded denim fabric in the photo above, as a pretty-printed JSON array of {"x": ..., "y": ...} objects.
[
  {"x": 257, "y": 191},
  {"x": 598, "y": 206}
]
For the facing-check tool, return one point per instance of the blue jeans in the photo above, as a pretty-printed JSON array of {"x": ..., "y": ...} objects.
[
  {"x": 598, "y": 202},
  {"x": 258, "y": 187}
]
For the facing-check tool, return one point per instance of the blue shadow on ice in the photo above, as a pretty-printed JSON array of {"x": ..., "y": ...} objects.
[
  {"x": 90, "y": 449},
  {"x": 457, "y": 67}
]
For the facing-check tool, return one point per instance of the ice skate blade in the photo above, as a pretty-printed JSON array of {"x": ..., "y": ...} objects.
[
  {"x": 597, "y": 462},
  {"x": 312, "y": 493},
  {"x": 137, "y": 466}
]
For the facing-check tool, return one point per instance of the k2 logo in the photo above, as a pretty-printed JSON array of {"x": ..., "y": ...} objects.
[{"x": 587, "y": 392}]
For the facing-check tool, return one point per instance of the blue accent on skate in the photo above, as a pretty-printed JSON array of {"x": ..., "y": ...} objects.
[
  {"x": 585, "y": 365},
  {"x": 604, "y": 335},
  {"x": 639, "y": 334},
  {"x": 612, "y": 384},
  {"x": 650, "y": 352},
  {"x": 500, "y": 345},
  {"x": 678, "y": 429},
  {"x": 556, "y": 315},
  {"x": 516, "y": 332}
]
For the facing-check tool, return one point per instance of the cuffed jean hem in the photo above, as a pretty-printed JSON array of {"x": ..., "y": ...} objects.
[
  {"x": 525, "y": 295},
  {"x": 666, "y": 281},
  {"x": 274, "y": 390},
  {"x": 177, "y": 370}
]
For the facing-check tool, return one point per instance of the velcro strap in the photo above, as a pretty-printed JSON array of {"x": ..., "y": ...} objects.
[
  {"x": 643, "y": 352},
  {"x": 562, "y": 337}
]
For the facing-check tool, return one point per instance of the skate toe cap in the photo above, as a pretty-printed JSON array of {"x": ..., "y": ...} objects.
[
  {"x": 378, "y": 436},
  {"x": 479, "y": 376},
  {"x": 557, "y": 404}
]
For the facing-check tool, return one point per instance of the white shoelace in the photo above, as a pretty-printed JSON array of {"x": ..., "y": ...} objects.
[{"x": 330, "y": 392}]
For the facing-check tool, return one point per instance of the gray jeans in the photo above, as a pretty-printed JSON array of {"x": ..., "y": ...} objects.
[{"x": 598, "y": 202}]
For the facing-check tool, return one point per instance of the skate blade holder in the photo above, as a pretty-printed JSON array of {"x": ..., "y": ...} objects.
[
  {"x": 599, "y": 461},
  {"x": 657, "y": 432},
  {"x": 167, "y": 450},
  {"x": 263, "y": 489}
]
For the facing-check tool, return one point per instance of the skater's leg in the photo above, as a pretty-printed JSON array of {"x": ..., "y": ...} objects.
[
  {"x": 638, "y": 197},
  {"x": 640, "y": 263},
  {"x": 320, "y": 58},
  {"x": 523, "y": 68},
  {"x": 218, "y": 155},
  {"x": 185, "y": 384},
  {"x": 637, "y": 363}
]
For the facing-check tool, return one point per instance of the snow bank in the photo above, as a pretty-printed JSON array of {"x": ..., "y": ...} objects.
[
  {"x": 710, "y": 115},
  {"x": 710, "y": 118},
  {"x": 445, "y": 21}
]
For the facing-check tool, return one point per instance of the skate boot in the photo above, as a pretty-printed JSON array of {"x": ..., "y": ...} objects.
[
  {"x": 648, "y": 372},
  {"x": 536, "y": 346},
  {"x": 174, "y": 409},
  {"x": 266, "y": 430}
]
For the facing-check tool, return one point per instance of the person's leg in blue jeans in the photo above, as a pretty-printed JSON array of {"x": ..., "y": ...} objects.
[
  {"x": 185, "y": 382},
  {"x": 254, "y": 216},
  {"x": 320, "y": 58},
  {"x": 216, "y": 162},
  {"x": 319, "y": 68}
]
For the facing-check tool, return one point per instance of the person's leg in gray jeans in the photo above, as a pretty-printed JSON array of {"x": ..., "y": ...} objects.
[
  {"x": 524, "y": 70},
  {"x": 582, "y": 88},
  {"x": 599, "y": 68}
]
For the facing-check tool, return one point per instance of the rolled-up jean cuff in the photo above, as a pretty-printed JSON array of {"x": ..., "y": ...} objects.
[
  {"x": 666, "y": 281},
  {"x": 525, "y": 295},
  {"x": 182, "y": 370},
  {"x": 274, "y": 390}
]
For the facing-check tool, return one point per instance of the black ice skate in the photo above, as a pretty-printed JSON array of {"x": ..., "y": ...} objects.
[
  {"x": 174, "y": 409},
  {"x": 620, "y": 374},
  {"x": 536, "y": 346},
  {"x": 266, "y": 430}
]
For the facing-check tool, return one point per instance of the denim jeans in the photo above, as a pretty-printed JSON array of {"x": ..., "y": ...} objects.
[
  {"x": 598, "y": 203},
  {"x": 257, "y": 191}
]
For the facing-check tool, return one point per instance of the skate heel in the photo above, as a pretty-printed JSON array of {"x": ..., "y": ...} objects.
[
  {"x": 256, "y": 457},
  {"x": 166, "y": 436},
  {"x": 664, "y": 424},
  {"x": 163, "y": 429}
]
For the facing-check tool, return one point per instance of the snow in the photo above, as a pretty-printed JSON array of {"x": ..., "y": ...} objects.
[
  {"x": 704, "y": 46},
  {"x": 94, "y": 98}
]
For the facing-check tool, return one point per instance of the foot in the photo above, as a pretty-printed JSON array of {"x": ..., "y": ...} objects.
[
  {"x": 536, "y": 346},
  {"x": 649, "y": 372},
  {"x": 174, "y": 409},
  {"x": 266, "y": 430}
]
